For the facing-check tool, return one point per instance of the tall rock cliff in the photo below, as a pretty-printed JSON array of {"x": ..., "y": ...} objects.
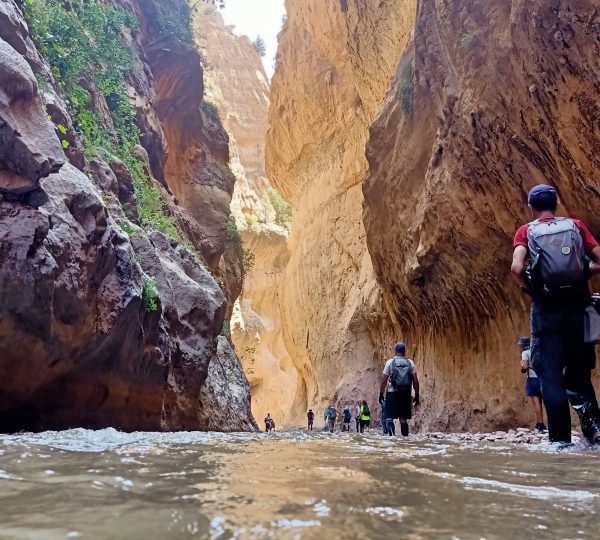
[
  {"x": 494, "y": 99},
  {"x": 461, "y": 108},
  {"x": 335, "y": 63},
  {"x": 236, "y": 83},
  {"x": 109, "y": 314}
]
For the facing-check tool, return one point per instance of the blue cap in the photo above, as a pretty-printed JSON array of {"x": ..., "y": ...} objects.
[
  {"x": 542, "y": 192},
  {"x": 400, "y": 347}
]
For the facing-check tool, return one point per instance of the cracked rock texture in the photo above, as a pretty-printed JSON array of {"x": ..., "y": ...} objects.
[{"x": 78, "y": 347}]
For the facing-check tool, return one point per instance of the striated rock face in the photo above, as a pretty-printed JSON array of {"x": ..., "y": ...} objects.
[
  {"x": 86, "y": 339},
  {"x": 461, "y": 107},
  {"x": 335, "y": 63},
  {"x": 236, "y": 83},
  {"x": 500, "y": 97}
]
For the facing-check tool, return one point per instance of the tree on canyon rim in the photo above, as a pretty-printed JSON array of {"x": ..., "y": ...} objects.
[{"x": 259, "y": 45}]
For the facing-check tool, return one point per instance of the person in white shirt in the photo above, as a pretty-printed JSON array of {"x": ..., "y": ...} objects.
[{"x": 399, "y": 378}]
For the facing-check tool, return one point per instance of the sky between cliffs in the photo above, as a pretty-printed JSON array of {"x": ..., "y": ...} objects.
[{"x": 257, "y": 17}]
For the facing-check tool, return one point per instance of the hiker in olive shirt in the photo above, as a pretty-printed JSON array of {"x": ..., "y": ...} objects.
[{"x": 399, "y": 378}]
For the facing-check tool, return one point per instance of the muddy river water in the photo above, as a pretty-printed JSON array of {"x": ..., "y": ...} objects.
[{"x": 106, "y": 484}]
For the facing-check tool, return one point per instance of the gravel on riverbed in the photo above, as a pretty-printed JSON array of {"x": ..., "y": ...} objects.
[{"x": 519, "y": 435}]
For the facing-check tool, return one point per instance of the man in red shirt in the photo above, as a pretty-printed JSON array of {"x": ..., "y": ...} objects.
[{"x": 560, "y": 357}]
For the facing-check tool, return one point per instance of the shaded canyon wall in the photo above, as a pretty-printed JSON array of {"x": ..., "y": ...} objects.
[
  {"x": 86, "y": 339},
  {"x": 500, "y": 97}
]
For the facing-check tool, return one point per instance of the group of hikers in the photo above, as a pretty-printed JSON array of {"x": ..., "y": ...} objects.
[
  {"x": 553, "y": 259},
  {"x": 395, "y": 398}
]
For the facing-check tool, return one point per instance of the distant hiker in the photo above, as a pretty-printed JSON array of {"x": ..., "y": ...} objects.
[
  {"x": 549, "y": 265},
  {"x": 347, "y": 417},
  {"x": 331, "y": 418},
  {"x": 326, "y": 416},
  {"x": 365, "y": 416},
  {"x": 310, "y": 415},
  {"x": 533, "y": 389},
  {"x": 383, "y": 419},
  {"x": 399, "y": 378},
  {"x": 269, "y": 423},
  {"x": 357, "y": 415}
]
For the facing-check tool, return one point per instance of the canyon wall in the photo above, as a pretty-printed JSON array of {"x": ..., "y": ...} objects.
[
  {"x": 235, "y": 82},
  {"x": 336, "y": 61},
  {"x": 112, "y": 288},
  {"x": 461, "y": 108},
  {"x": 489, "y": 100}
]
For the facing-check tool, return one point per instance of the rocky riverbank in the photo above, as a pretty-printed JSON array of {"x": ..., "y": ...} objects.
[{"x": 518, "y": 436}]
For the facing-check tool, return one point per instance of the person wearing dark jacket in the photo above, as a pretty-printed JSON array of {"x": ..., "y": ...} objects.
[
  {"x": 310, "y": 416},
  {"x": 549, "y": 264}
]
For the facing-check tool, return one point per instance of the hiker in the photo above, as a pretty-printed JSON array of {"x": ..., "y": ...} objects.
[
  {"x": 549, "y": 265},
  {"x": 269, "y": 423},
  {"x": 331, "y": 416},
  {"x": 383, "y": 419},
  {"x": 357, "y": 416},
  {"x": 399, "y": 378},
  {"x": 365, "y": 416},
  {"x": 310, "y": 415},
  {"x": 347, "y": 417},
  {"x": 533, "y": 389}
]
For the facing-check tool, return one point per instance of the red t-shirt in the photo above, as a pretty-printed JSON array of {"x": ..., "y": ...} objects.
[{"x": 589, "y": 242}]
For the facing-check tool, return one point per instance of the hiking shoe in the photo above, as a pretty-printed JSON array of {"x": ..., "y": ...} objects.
[
  {"x": 590, "y": 427},
  {"x": 541, "y": 427}
]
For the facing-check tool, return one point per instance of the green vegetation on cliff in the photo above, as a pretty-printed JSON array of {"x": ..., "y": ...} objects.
[{"x": 88, "y": 46}]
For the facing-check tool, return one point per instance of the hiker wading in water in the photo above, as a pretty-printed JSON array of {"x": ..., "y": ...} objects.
[
  {"x": 549, "y": 264},
  {"x": 399, "y": 378},
  {"x": 365, "y": 416},
  {"x": 533, "y": 389},
  {"x": 269, "y": 423}
]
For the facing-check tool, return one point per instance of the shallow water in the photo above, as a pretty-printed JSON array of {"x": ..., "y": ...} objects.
[{"x": 106, "y": 484}]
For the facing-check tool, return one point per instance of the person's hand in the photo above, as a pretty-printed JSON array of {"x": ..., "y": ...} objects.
[
  {"x": 416, "y": 400},
  {"x": 524, "y": 366},
  {"x": 381, "y": 399}
]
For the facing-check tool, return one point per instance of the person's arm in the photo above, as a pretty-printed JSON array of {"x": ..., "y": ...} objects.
[
  {"x": 416, "y": 399},
  {"x": 382, "y": 388},
  {"x": 595, "y": 264},
  {"x": 518, "y": 267}
]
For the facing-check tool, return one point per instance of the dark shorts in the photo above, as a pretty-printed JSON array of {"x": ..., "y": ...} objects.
[
  {"x": 533, "y": 387},
  {"x": 398, "y": 404}
]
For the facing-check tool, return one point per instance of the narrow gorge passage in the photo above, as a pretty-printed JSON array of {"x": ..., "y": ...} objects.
[
  {"x": 189, "y": 243},
  {"x": 217, "y": 211}
]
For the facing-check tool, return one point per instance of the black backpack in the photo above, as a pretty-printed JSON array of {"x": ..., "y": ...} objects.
[
  {"x": 366, "y": 411},
  {"x": 401, "y": 373}
]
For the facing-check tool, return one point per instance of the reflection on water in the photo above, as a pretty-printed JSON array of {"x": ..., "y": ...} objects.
[{"x": 105, "y": 484}]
